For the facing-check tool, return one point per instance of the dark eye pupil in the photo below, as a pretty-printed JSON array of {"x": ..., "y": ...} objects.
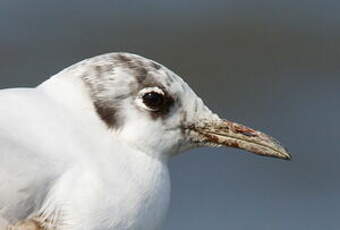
[{"x": 153, "y": 100}]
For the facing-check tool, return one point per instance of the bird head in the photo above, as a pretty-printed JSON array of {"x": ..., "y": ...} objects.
[{"x": 148, "y": 106}]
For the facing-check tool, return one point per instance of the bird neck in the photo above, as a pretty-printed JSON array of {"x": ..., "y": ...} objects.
[{"x": 68, "y": 90}]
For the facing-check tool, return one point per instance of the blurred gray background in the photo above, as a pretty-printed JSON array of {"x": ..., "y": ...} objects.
[{"x": 273, "y": 65}]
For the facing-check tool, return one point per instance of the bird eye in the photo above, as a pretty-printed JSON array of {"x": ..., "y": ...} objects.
[{"x": 153, "y": 100}]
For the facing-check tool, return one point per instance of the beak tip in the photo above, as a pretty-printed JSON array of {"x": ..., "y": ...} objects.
[
  {"x": 285, "y": 155},
  {"x": 286, "y": 158},
  {"x": 289, "y": 157}
]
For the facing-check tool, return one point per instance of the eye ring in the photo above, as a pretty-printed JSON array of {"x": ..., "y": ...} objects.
[{"x": 153, "y": 100}]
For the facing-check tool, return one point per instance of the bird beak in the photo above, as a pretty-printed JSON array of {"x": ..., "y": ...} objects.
[{"x": 231, "y": 134}]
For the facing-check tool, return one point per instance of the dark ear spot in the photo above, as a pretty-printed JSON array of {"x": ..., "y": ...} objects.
[{"x": 107, "y": 114}]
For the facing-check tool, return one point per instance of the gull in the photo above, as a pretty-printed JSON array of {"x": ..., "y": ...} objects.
[{"x": 88, "y": 149}]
